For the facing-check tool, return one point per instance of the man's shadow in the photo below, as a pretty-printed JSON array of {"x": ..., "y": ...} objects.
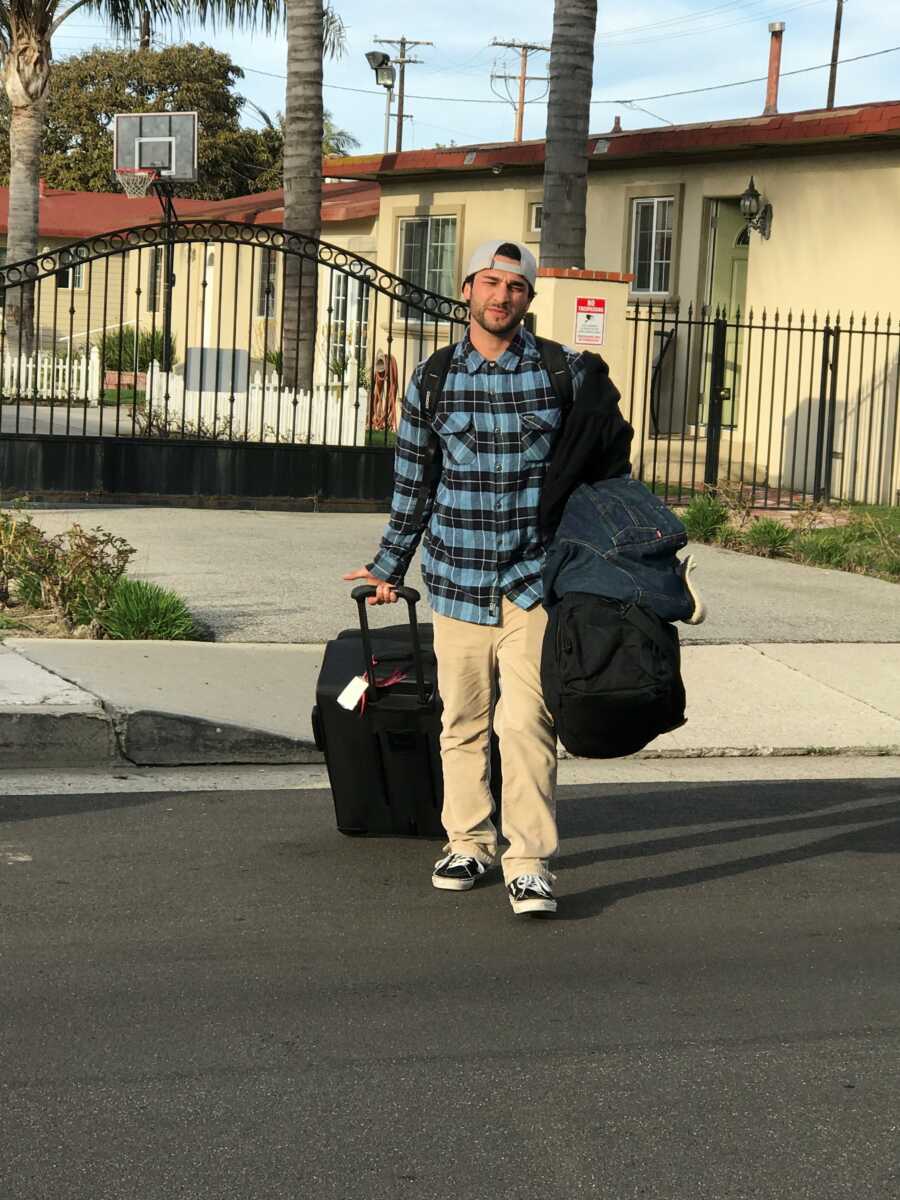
[{"x": 748, "y": 812}]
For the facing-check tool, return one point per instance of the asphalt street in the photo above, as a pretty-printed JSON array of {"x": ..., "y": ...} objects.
[{"x": 215, "y": 995}]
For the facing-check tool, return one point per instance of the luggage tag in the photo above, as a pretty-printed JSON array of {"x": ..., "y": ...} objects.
[{"x": 353, "y": 692}]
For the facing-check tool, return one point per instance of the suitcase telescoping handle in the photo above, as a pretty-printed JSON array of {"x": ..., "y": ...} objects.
[{"x": 411, "y": 596}]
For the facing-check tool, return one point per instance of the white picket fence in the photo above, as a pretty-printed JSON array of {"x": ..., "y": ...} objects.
[
  {"x": 334, "y": 414},
  {"x": 48, "y": 376}
]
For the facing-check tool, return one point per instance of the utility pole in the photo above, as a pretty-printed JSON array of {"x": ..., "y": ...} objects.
[
  {"x": 835, "y": 50},
  {"x": 402, "y": 44},
  {"x": 524, "y": 48}
]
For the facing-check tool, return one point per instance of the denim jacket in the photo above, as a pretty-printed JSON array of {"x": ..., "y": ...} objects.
[{"x": 617, "y": 539}]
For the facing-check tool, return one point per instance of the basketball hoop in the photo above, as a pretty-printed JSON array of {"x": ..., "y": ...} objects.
[{"x": 136, "y": 181}]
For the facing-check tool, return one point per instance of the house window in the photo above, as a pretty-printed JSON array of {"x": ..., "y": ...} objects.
[
  {"x": 651, "y": 244},
  {"x": 265, "y": 291},
  {"x": 349, "y": 323},
  {"x": 535, "y": 217},
  {"x": 155, "y": 278},
  {"x": 71, "y": 276},
  {"x": 428, "y": 253}
]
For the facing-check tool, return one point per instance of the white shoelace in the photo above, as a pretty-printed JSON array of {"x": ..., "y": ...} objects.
[
  {"x": 536, "y": 883},
  {"x": 458, "y": 860}
]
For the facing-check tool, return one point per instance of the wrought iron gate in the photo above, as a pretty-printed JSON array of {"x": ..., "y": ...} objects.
[
  {"x": 208, "y": 358},
  {"x": 792, "y": 410}
]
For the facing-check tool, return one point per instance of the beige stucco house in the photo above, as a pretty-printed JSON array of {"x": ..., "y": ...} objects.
[{"x": 664, "y": 222}]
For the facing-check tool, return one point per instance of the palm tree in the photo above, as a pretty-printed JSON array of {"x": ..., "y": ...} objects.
[
  {"x": 568, "y": 117},
  {"x": 26, "y": 35},
  {"x": 313, "y": 29}
]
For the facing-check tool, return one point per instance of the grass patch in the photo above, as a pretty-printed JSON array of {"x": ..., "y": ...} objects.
[
  {"x": 125, "y": 395},
  {"x": 869, "y": 544},
  {"x": 380, "y": 437},
  {"x": 140, "y": 611},
  {"x": 863, "y": 539}
]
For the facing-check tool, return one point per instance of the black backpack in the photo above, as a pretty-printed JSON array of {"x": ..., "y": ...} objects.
[
  {"x": 434, "y": 376},
  {"x": 611, "y": 675}
]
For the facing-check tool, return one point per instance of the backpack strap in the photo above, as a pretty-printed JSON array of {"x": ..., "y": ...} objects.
[
  {"x": 431, "y": 385},
  {"x": 556, "y": 364}
]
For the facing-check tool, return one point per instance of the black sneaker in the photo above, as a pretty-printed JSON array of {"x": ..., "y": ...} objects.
[
  {"x": 531, "y": 894},
  {"x": 457, "y": 872}
]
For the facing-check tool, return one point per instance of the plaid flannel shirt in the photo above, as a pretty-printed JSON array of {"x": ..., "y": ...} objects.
[{"x": 496, "y": 423}]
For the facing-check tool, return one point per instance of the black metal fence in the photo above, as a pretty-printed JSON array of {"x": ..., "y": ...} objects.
[
  {"x": 792, "y": 409},
  {"x": 210, "y": 330}
]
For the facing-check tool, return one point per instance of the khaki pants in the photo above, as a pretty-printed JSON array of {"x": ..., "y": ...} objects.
[{"x": 470, "y": 659}]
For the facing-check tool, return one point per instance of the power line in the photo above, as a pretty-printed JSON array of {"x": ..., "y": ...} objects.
[
  {"x": 715, "y": 87},
  {"x": 523, "y": 78}
]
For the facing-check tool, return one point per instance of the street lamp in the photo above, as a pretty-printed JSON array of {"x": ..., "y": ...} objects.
[
  {"x": 757, "y": 215},
  {"x": 384, "y": 76}
]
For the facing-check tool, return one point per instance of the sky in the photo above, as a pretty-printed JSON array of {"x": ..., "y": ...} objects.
[{"x": 643, "y": 49}]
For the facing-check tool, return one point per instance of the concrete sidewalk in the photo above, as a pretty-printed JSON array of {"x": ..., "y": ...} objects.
[{"x": 75, "y": 703}]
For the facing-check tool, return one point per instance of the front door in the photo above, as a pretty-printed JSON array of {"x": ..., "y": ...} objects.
[{"x": 729, "y": 244}]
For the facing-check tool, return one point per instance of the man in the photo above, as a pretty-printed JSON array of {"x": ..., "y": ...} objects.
[{"x": 496, "y": 420}]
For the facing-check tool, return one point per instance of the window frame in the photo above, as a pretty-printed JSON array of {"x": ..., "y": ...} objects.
[
  {"x": 156, "y": 268},
  {"x": 655, "y": 203},
  {"x": 404, "y": 220},
  {"x": 663, "y": 190},
  {"x": 265, "y": 302},
  {"x": 74, "y": 272}
]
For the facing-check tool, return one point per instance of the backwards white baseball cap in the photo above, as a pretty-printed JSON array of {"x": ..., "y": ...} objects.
[{"x": 486, "y": 258}]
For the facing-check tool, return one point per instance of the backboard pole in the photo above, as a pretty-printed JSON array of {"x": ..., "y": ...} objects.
[{"x": 165, "y": 192}]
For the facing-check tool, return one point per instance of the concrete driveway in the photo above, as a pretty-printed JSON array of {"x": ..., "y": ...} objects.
[{"x": 276, "y": 577}]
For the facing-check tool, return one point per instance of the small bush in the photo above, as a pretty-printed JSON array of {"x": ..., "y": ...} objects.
[
  {"x": 768, "y": 537},
  {"x": 704, "y": 517},
  {"x": 73, "y": 574},
  {"x": 117, "y": 349},
  {"x": 139, "y": 611}
]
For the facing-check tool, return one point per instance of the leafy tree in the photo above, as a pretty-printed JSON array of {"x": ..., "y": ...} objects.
[
  {"x": 568, "y": 116},
  {"x": 88, "y": 89},
  {"x": 334, "y": 141}
]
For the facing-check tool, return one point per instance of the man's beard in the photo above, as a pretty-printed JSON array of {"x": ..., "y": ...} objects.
[{"x": 479, "y": 314}]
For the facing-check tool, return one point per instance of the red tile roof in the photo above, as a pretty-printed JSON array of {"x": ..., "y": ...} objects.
[
  {"x": 837, "y": 129},
  {"x": 76, "y": 215}
]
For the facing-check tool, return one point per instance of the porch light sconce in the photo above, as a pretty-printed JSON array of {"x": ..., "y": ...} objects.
[{"x": 757, "y": 215}]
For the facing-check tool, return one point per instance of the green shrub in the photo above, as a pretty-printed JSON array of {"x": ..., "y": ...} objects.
[
  {"x": 117, "y": 349},
  {"x": 139, "y": 610},
  {"x": 868, "y": 544},
  {"x": 73, "y": 573},
  {"x": 704, "y": 517},
  {"x": 768, "y": 537}
]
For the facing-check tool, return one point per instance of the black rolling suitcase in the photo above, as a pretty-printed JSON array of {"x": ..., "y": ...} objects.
[{"x": 384, "y": 762}]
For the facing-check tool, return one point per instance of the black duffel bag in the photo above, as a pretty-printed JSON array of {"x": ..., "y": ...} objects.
[{"x": 611, "y": 675}]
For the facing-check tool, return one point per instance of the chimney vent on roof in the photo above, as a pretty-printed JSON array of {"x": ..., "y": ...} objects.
[
  {"x": 617, "y": 125},
  {"x": 776, "y": 29}
]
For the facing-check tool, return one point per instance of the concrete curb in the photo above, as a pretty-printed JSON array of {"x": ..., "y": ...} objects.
[{"x": 56, "y": 736}]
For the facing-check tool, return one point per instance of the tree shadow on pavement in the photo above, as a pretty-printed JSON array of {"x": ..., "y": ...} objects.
[{"x": 762, "y": 809}]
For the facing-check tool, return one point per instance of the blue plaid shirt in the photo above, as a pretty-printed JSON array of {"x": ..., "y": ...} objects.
[{"x": 497, "y": 423}]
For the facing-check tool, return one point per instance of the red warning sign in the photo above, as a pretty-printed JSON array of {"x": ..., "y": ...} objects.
[{"x": 590, "y": 321}]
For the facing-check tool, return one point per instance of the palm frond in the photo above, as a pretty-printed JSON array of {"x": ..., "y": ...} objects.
[
  {"x": 334, "y": 33},
  {"x": 124, "y": 16}
]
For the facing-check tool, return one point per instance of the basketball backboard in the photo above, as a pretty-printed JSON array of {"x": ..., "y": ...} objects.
[{"x": 165, "y": 141}]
